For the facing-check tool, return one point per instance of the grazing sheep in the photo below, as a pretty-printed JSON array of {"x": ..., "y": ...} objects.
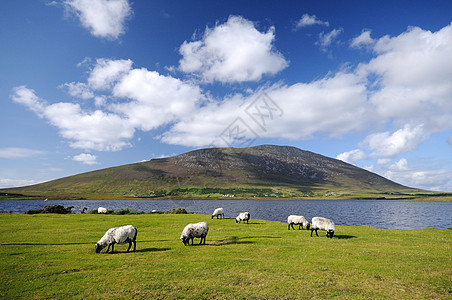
[
  {"x": 297, "y": 220},
  {"x": 323, "y": 224},
  {"x": 197, "y": 230},
  {"x": 243, "y": 216},
  {"x": 218, "y": 212},
  {"x": 118, "y": 235},
  {"x": 101, "y": 210}
]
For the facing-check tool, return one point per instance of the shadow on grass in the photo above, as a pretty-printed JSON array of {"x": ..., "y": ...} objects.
[
  {"x": 138, "y": 250},
  {"x": 44, "y": 244},
  {"x": 344, "y": 236},
  {"x": 236, "y": 240}
]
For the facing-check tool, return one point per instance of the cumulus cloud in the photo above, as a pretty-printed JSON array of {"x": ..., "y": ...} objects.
[
  {"x": 103, "y": 18},
  {"x": 326, "y": 39},
  {"x": 87, "y": 129},
  {"x": 78, "y": 90},
  {"x": 331, "y": 105},
  {"x": 410, "y": 89},
  {"x": 430, "y": 178},
  {"x": 18, "y": 152},
  {"x": 107, "y": 72},
  {"x": 155, "y": 99},
  {"x": 9, "y": 182},
  {"x": 352, "y": 156},
  {"x": 86, "y": 158},
  {"x": 309, "y": 20},
  {"x": 363, "y": 40},
  {"x": 385, "y": 144},
  {"x": 232, "y": 52},
  {"x": 143, "y": 100}
]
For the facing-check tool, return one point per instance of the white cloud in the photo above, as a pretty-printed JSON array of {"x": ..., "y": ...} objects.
[
  {"x": 142, "y": 100},
  {"x": 86, "y": 158},
  {"x": 385, "y": 144},
  {"x": 107, "y": 72},
  {"x": 414, "y": 72},
  {"x": 27, "y": 97},
  {"x": 18, "y": 152},
  {"x": 88, "y": 130},
  {"x": 363, "y": 40},
  {"x": 401, "y": 165},
  {"x": 309, "y": 20},
  {"x": 103, "y": 18},
  {"x": 156, "y": 99},
  {"x": 424, "y": 178},
  {"x": 8, "y": 182},
  {"x": 232, "y": 52},
  {"x": 352, "y": 156},
  {"x": 332, "y": 105},
  {"x": 326, "y": 39},
  {"x": 79, "y": 90}
]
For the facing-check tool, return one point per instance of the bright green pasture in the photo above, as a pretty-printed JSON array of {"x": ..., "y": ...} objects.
[{"x": 52, "y": 256}]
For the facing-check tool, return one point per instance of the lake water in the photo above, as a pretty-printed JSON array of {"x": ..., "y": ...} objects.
[{"x": 388, "y": 214}]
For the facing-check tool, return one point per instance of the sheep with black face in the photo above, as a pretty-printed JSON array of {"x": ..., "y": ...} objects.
[
  {"x": 218, "y": 212},
  {"x": 243, "y": 216},
  {"x": 297, "y": 220},
  {"x": 118, "y": 235},
  {"x": 319, "y": 223},
  {"x": 197, "y": 230}
]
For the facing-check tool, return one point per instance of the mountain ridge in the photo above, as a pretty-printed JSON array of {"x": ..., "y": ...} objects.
[{"x": 259, "y": 171}]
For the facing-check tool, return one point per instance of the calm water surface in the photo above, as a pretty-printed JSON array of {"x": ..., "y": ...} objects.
[{"x": 389, "y": 214}]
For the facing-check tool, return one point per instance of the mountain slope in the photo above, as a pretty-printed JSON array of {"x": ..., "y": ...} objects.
[{"x": 262, "y": 171}]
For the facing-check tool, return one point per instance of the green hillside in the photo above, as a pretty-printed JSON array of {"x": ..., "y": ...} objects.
[{"x": 262, "y": 171}]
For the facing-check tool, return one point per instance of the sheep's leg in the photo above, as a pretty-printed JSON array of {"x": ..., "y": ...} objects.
[
  {"x": 316, "y": 233},
  {"x": 299, "y": 226},
  {"x": 312, "y": 231},
  {"x": 108, "y": 248},
  {"x": 130, "y": 246},
  {"x": 112, "y": 247},
  {"x": 288, "y": 227},
  {"x": 192, "y": 241},
  {"x": 134, "y": 246}
]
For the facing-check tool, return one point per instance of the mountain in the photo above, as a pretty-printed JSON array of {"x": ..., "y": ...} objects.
[{"x": 261, "y": 171}]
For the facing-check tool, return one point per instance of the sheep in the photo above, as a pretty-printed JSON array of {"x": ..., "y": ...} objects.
[
  {"x": 297, "y": 220},
  {"x": 191, "y": 231},
  {"x": 243, "y": 216},
  {"x": 118, "y": 235},
  {"x": 218, "y": 212},
  {"x": 101, "y": 210},
  {"x": 323, "y": 224}
]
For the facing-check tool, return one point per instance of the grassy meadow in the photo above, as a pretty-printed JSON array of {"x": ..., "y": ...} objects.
[{"x": 52, "y": 256}]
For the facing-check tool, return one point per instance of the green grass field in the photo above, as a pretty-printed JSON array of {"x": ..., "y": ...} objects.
[{"x": 52, "y": 256}]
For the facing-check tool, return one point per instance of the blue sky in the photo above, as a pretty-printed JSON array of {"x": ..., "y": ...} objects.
[{"x": 90, "y": 84}]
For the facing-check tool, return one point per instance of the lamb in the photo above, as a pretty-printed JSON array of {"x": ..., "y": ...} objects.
[
  {"x": 197, "y": 230},
  {"x": 243, "y": 216},
  {"x": 118, "y": 235},
  {"x": 218, "y": 212},
  {"x": 101, "y": 210},
  {"x": 323, "y": 224},
  {"x": 297, "y": 220}
]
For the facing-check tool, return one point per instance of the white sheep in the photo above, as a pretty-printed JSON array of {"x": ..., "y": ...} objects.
[
  {"x": 218, "y": 212},
  {"x": 297, "y": 220},
  {"x": 243, "y": 216},
  {"x": 323, "y": 224},
  {"x": 118, "y": 235},
  {"x": 101, "y": 210},
  {"x": 197, "y": 230}
]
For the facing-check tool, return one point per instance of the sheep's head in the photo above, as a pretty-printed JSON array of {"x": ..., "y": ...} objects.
[
  {"x": 185, "y": 240},
  {"x": 99, "y": 248},
  {"x": 330, "y": 233},
  {"x": 211, "y": 217}
]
